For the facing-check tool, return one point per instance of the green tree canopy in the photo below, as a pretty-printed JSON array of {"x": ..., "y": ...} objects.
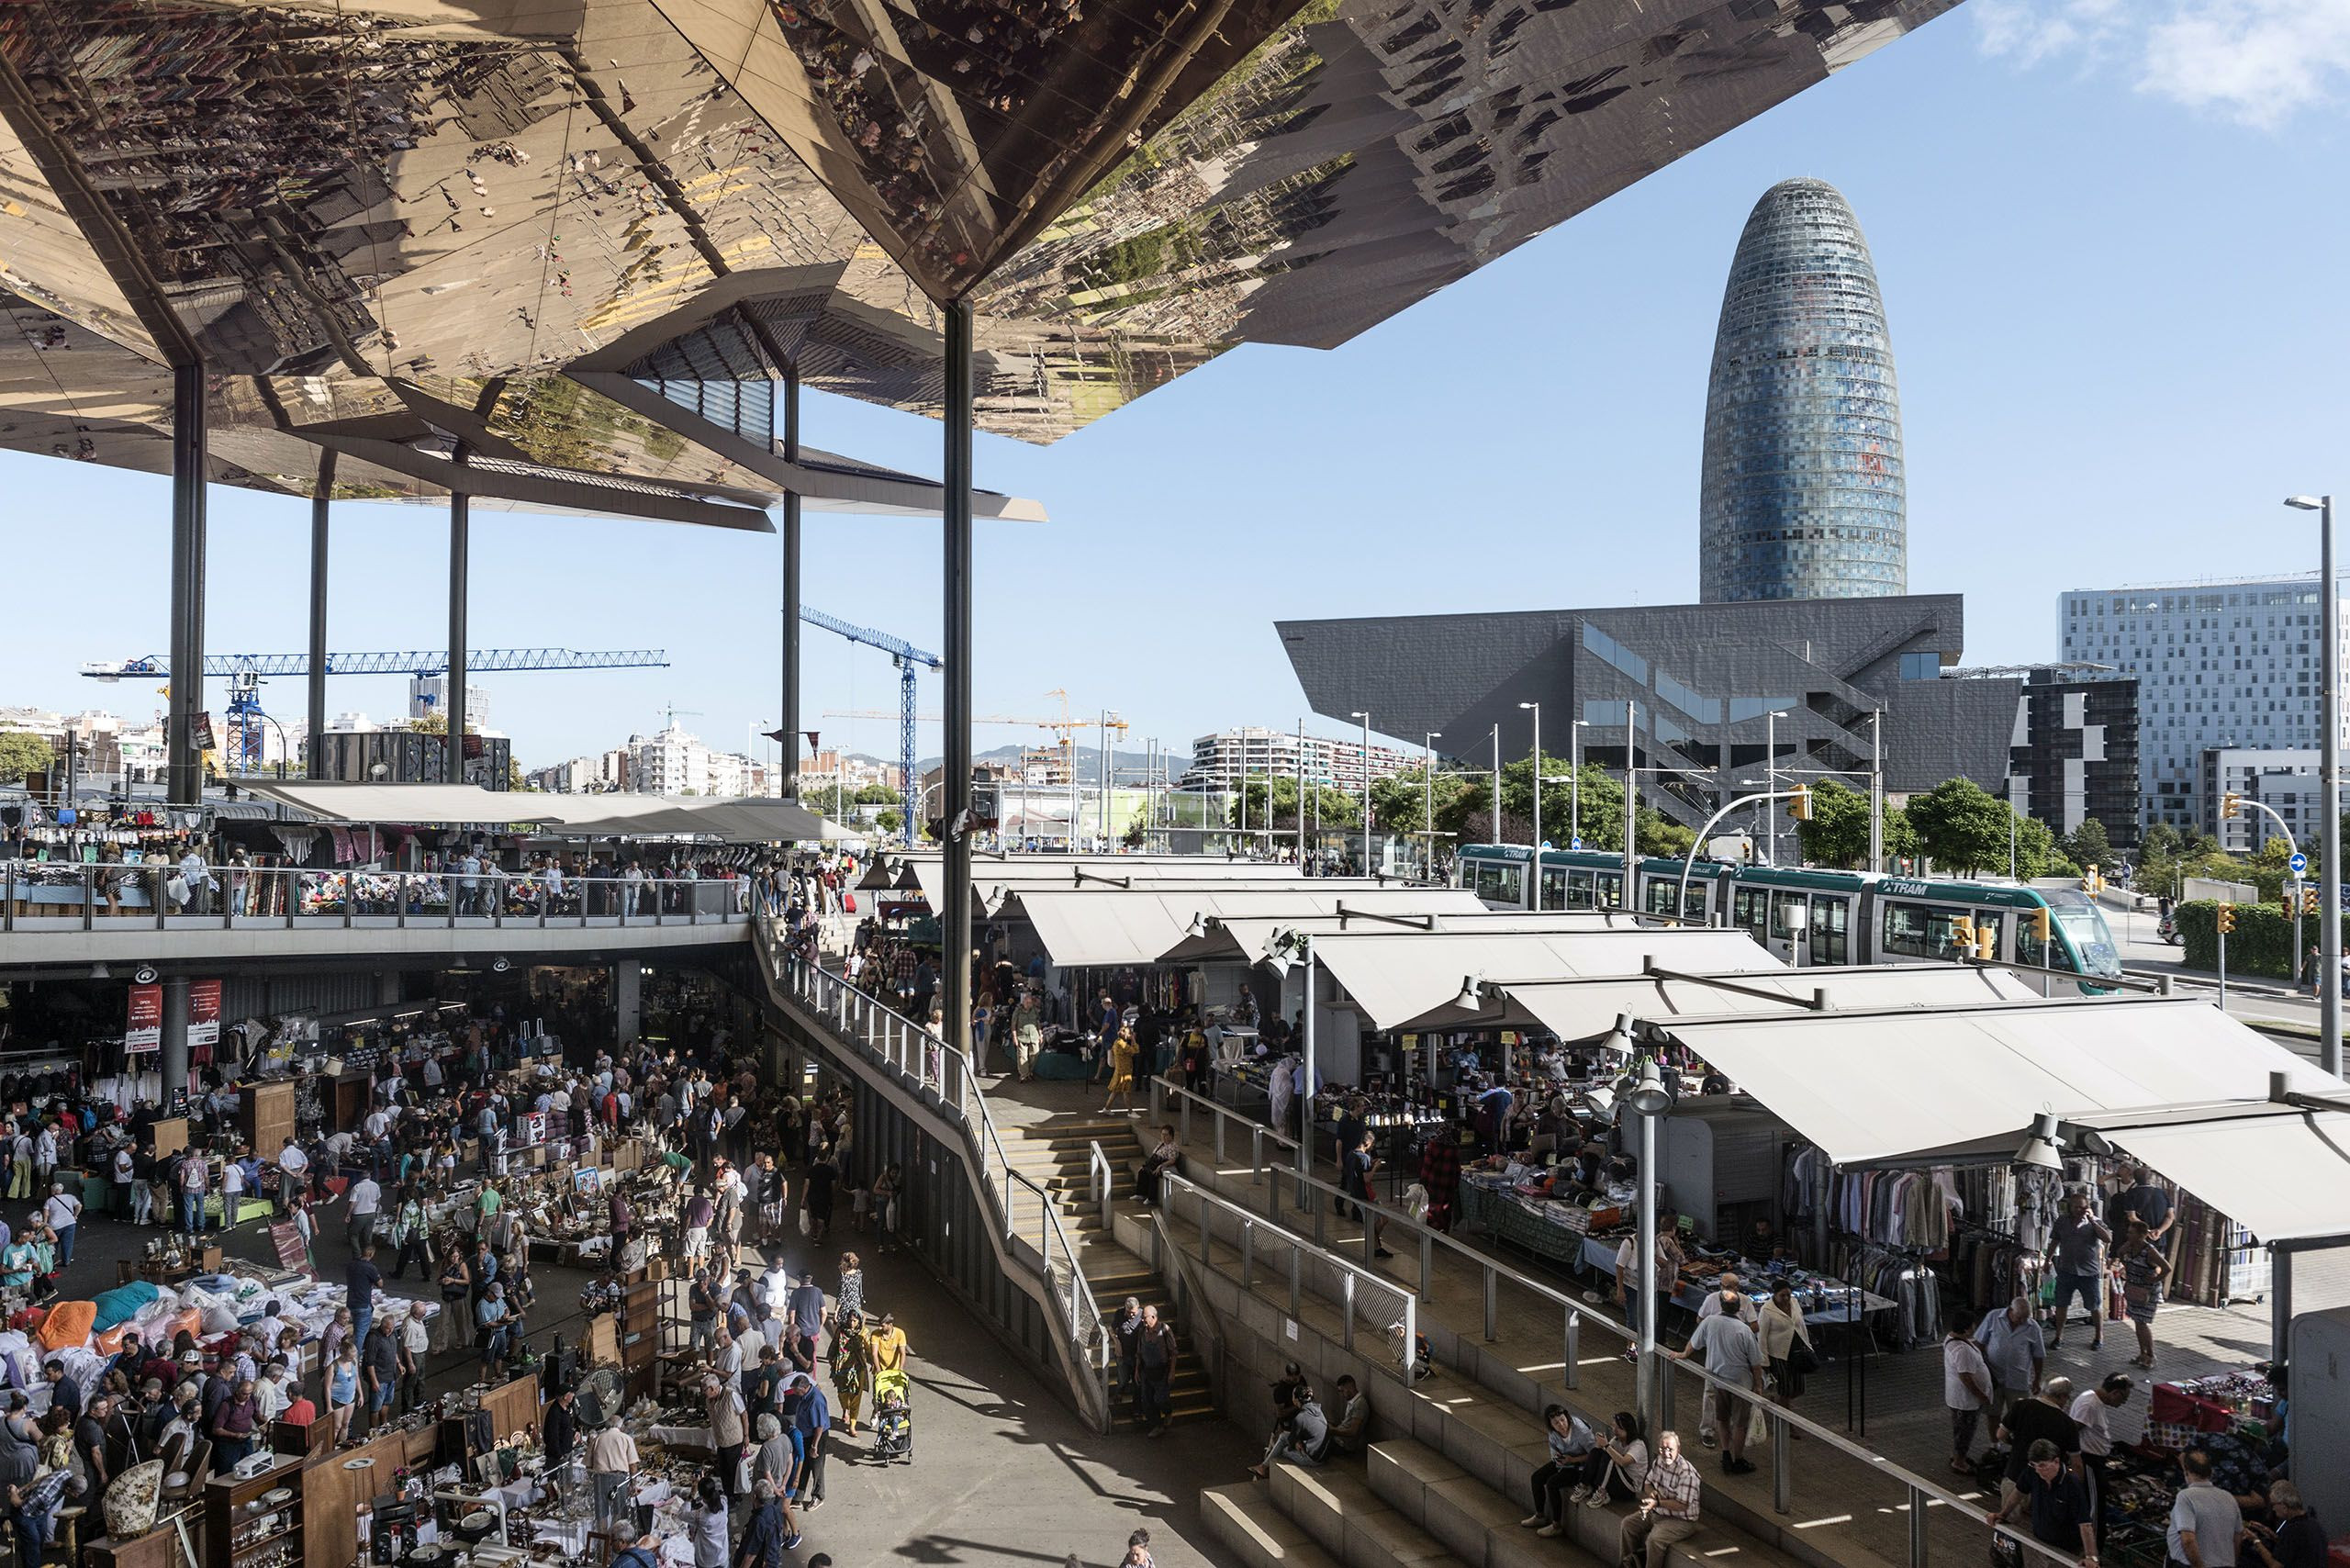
[
  {"x": 2088, "y": 845},
  {"x": 1339, "y": 812},
  {"x": 875, "y": 795},
  {"x": 22, "y": 753},
  {"x": 1964, "y": 828}
]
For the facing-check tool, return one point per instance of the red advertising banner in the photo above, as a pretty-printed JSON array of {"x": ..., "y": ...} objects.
[
  {"x": 143, "y": 1030},
  {"x": 203, "y": 1012}
]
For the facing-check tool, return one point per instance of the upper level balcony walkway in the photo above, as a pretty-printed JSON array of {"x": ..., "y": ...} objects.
[{"x": 65, "y": 913}]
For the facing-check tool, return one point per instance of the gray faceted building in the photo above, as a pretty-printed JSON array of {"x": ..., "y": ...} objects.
[
  {"x": 1703, "y": 678},
  {"x": 1804, "y": 494}
]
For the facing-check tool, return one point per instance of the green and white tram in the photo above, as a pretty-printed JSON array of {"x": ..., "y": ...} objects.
[{"x": 1812, "y": 917}]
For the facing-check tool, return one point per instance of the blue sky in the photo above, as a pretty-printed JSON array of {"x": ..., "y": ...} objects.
[{"x": 2110, "y": 234}]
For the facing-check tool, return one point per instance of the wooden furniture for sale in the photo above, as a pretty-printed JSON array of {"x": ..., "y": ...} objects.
[{"x": 234, "y": 1536}]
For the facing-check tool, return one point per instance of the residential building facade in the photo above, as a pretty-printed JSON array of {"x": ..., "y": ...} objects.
[
  {"x": 2231, "y": 666},
  {"x": 2073, "y": 755},
  {"x": 1219, "y": 761},
  {"x": 2285, "y": 780}
]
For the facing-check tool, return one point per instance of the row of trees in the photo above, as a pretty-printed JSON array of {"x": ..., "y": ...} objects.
[{"x": 1463, "y": 807}]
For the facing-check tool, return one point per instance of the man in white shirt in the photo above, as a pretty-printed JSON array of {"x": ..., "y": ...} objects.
[
  {"x": 270, "y": 1397},
  {"x": 296, "y": 1165},
  {"x": 366, "y": 1199},
  {"x": 63, "y": 1212},
  {"x": 198, "y": 878},
  {"x": 2092, "y": 1412}
]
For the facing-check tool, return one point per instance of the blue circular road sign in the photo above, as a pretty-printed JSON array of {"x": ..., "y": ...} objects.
[{"x": 2299, "y": 862}]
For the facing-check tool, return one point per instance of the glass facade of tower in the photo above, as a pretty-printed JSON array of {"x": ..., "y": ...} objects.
[{"x": 1803, "y": 494}]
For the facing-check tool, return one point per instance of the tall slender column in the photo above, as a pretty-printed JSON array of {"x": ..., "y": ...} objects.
[
  {"x": 183, "y": 761},
  {"x": 320, "y": 498},
  {"x": 954, "y": 784},
  {"x": 789, "y": 783},
  {"x": 460, "y": 550},
  {"x": 174, "y": 1046}
]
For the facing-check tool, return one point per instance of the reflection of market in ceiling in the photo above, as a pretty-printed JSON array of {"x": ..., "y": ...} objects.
[{"x": 406, "y": 222}]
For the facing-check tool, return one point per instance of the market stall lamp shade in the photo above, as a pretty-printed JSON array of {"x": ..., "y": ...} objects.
[
  {"x": 2040, "y": 1150},
  {"x": 1470, "y": 1000},
  {"x": 1620, "y": 1039},
  {"x": 1648, "y": 1097}
]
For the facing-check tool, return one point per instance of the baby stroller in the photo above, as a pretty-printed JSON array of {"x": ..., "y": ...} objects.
[{"x": 893, "y": 1420}]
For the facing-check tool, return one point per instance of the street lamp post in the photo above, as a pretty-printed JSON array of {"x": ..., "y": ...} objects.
[
  {"x": 1365, "y": 760},
  {"x": 1770, "y": 779},
  {"x": 1497, "y": 783},
  {"x": 2329, "y": 719},
  {"x": 1574, "y": 784},
  {"x": 1535, "y": 709},
  {"x": 1647, "y": 1101},
  {"x": 1428, "y": 782}
]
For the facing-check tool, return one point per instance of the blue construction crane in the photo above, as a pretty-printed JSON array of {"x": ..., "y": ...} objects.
[
  {"x": 245, "y": 672},
  {"x": 909, "y": 661}
]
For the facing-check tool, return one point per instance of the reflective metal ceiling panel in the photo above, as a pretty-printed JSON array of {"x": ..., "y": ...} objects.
[{"x": 368, "y": 210}]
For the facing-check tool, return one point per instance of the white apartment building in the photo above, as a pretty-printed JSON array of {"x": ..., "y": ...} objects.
[
  {"x": 673, "y": 762},
  {"x": 2284, "y": 780},
  {"x": 2226, "y": 666},
  {"x": 1221, "y": 760}
]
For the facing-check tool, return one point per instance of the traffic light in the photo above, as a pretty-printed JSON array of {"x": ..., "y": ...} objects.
[
  {"x": 2309, "y": 901},
  {"x": 2230, "y": 805},
  {"x": 1986, "y": 941},
  {"x": 1962, "y": 935},
  {"x": 2227, "y": 917},
  {"x": 2092, "y": 882},
  {"x": 1799, "y": 803},
  {"x": 2042, "y": 926}
]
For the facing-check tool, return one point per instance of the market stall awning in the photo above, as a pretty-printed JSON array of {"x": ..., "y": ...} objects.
[
  {"x": 404, "y": 804},
  {"x": 1881, "y": 1086},
  {"x": 1249, "y": 938},
  {"x": 994, "y": 876},
  {"x": 737, "y": 820},
  {"x": 1578, "y": 1009},
  {"x": 1095, "y": 925},
  {"x": 1396, "y": 976}
]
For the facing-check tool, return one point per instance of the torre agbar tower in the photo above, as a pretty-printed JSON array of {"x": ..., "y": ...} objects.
[{"x": 1803, "y": 494}]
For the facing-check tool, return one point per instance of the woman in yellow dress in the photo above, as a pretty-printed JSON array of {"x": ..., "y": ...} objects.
[{"x": 1121, "y": 1071}]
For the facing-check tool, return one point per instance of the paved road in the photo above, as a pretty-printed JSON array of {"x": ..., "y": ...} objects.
[{"x": 2257, "y": 999}]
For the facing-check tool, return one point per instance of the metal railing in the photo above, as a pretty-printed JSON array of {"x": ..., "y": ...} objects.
[
  {"x": 50, "y": 895},
  {"x": 1874, "y": 1481},
  {"x": 1356, "y": 1291},
  {"x": 864, "y": 1024}
]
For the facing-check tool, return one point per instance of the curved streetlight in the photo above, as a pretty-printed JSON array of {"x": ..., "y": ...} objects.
[{"x": 2329, "y": 725}]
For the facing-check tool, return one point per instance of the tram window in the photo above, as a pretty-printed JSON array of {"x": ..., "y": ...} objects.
[
  {"x": 1750, "y": 909},
  {"x": 1786, "y": 915},
  {"x": 1916, "y": 931},
  {"x": 1610, "y": 886},
  {"x": 2030, "y": 949},
  {"x": 1579, "y": 890},
  {"x": 1500, "y": 884},
  {"x": 1554, "y": 887},
  {"x": 1829, "y": 923},
  {"x": 1658, "y": 897}
]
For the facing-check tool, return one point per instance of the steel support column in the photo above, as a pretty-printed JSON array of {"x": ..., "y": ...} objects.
[
  {"x": 174, "y": 1055},
  {"x": 453, "y": 706},
  {"x": 2329, "y": 907},
  {"x": 184, "y": 759},
  {"x": 789, "y": 783},
  {"x": 321, "y": 498},
  {"x": 955, "y": 783}
]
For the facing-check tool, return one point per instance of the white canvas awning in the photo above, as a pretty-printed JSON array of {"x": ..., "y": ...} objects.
[
  {"x": 650, "y": 816},
  {"x": 1394, "y": 977},
  {"x": 1887, "y": 1086},
  {"x": 402, "y": 803},
  {"x": 996, "y": 877},
  {"x": 1118, "y": 926},
  {"x": 1579, "y": 1009},
  {"x": 1249, "y": 939}
]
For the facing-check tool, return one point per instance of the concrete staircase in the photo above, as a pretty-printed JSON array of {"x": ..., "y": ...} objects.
[{"x": 1057, "y": 1157}]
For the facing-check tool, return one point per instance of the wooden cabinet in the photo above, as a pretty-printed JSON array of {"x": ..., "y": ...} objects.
[
  {"x": 266, "y": 1116},
  {"x": 239, "y": 1534}
]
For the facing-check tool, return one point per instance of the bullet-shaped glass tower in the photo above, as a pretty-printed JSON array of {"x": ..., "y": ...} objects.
[{"x": 1803, "y": 494}]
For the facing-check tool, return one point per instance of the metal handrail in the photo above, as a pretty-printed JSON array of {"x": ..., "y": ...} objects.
[
  {"x": 1573, "y": 1311},
  {"x": 1349, "y": 1270},
  {"x": 895, "y": 1041},
  {"x": 450, "y": 900},
  {"x": 1922, "y": 1490},
  {"x": 1102, "y": 1179}
]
